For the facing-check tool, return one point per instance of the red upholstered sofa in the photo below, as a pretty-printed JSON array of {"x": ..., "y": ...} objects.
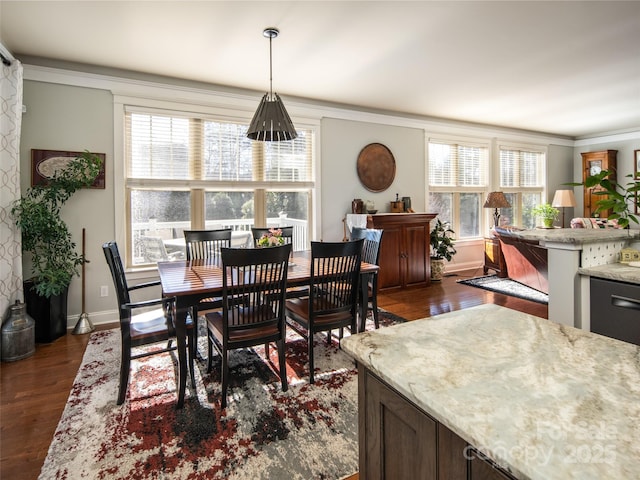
[{"x": 526, "y": 260}]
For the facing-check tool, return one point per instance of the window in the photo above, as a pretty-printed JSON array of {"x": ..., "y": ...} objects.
[
  {"x": 191, "y": 172},
  {"x": 457, "y": 183},
  {"x": 522, "y": 181}
]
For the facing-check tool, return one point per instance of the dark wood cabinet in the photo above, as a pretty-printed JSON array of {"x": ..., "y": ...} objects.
[
  {"x": 397, "y": 440},
  {"x": 615, "y": 309},
  {"x": 404, "y": 251},
  {"x": 493, "y": 257},
  {"x": 593, "y": 163}
]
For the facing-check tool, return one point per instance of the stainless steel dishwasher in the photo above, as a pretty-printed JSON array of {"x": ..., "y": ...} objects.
[{"x": 615, "y": 309}]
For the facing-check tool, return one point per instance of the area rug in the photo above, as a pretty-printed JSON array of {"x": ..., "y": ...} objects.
[
  {"x": 308, "y": 432},
  {"x": 507, "y": 287}
]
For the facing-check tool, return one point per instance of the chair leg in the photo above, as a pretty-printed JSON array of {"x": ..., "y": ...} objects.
[
  {"x": 125, "y": 365},
  {"x": 193, "y": 346},
  {"x": 283, "y": 365},
  {"x": 310, "y": 349},
  {"x": 266, "y": 350},
  {"x": 225, "y": 379},
  {"x": 210, "y": 352},
  {"x": 374, "y": 307}
]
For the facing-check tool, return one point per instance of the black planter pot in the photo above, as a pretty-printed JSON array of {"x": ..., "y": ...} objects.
[{"x": 50, "y": 314}]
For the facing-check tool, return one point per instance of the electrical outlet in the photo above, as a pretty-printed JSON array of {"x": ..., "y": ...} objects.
[{"x": 104, "y": 291}]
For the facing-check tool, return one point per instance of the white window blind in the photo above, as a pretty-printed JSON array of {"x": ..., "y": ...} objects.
[
  {"x": 521, "y": 168},
  {"x": 175, "y": 147},
  {"x": 457, "y": 165}
]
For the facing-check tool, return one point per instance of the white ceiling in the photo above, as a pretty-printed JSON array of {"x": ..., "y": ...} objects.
[{"x": 567, "y": 68}]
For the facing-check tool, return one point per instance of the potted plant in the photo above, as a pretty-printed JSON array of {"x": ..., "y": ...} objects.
[
  {"x": 442, "y": 248},
  {"x": 47, "y": 240},
  {"x": 619, "y": 198},
  {"x": 547, "y": 213}
]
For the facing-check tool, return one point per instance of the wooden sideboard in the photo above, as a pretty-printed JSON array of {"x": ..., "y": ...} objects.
[{"x": 404, "y": 251}]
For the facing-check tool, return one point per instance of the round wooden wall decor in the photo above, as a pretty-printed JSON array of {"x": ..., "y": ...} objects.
[{"x": 376, "y": 167}]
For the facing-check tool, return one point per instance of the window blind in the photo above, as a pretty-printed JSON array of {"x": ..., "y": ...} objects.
[
  {"x": 458, "y": 165},
  {"x": 174, "y": 147},
  {"x": 521, "y": 168}
]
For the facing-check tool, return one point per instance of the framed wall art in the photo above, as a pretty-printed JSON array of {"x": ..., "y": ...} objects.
[
  {"x": 45, "y": 163},
  {"x": 636, "y": 163}
]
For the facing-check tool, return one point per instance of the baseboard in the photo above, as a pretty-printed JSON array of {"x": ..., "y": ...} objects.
[
  {"x": 97, "y": 318},
  {"x": 459, "y": 267}
]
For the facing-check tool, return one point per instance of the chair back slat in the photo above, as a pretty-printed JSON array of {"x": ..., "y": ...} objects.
[
  {"x": 206, "y": 244},
  {"x": 254, "y": 286}
]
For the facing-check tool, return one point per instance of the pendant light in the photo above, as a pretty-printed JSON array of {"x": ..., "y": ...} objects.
[{"x": 271, "y": 121}]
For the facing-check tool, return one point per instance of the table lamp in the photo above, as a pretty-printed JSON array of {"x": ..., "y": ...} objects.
[
  {"x": 562, "y": 199},
  {"x": 496, "y": 200}
]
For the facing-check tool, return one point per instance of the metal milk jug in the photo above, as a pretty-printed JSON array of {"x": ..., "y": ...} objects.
[{"x": 18, "y": 334}]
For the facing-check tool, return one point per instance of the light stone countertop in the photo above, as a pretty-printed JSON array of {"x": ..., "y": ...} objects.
[
  {"x": 613, "y": 271},
  {"x": 577, "y": 236},
  {"x": 543, "y": 400}
]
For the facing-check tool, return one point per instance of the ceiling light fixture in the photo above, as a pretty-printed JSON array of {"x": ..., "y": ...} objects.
[{"x": 271, "y": 121}]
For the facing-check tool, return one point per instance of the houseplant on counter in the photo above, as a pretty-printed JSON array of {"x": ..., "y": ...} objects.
[
  {"x": 547, "y": 213},
  {"x": 442, "y": 248},
  {"x": 47, "y": 241}
]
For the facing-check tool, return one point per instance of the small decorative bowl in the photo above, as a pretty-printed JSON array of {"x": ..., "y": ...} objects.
[{"x": 372, "y": 212}]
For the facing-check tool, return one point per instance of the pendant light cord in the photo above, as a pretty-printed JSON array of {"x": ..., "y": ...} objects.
[{"x": 270, "y": 68}]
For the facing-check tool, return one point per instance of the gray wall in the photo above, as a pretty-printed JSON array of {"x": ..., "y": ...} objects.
[
  {"x": 342, "y": 141},
  {"x": 60, "y": 117}
]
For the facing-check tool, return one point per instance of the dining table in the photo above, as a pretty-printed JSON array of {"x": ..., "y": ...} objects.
[{"x": 193, "y": 280}]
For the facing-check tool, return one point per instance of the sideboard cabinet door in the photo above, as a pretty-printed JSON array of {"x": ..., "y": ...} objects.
[{"x": 404, "y": 251}]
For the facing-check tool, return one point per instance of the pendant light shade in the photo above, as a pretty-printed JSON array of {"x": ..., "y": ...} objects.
[{"x": 271, "y": 122}]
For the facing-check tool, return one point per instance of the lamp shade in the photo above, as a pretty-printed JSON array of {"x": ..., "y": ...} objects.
[
  {"x": 271, "y": 121},
  {"x": 496, "y": 200},
  {"x": 563, "y": 198}
]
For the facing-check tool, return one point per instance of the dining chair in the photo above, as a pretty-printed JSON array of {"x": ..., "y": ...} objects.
[
  {"x": 206, "y": 245},
  {"x": 287, "y": 235},
  {"x": 370, "y": 254},
  {"x": 154, "y": 250},
  {"x": 253, "y": 295},
  {"x": 333, "y": 293},
  {"x": 258, "y": 232},
  {"x": 147, "y": 327}
]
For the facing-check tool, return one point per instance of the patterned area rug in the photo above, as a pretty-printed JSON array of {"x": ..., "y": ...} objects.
[
  {"x": 507, "y": 287},
  {"x": 308, "y": 432}
]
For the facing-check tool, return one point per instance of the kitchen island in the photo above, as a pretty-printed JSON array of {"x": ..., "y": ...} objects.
[
  {"x": 569, "y": 249},
  {"x": 531, "y": 398}
]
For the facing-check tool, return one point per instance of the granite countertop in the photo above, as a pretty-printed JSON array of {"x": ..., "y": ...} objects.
[
  {"x": 613, "y": 271},
  {"x": 543, "y": 400},
  {"x": 577, "y": 236}
]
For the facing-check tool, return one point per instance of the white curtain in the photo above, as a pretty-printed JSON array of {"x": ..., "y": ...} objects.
[{"x": 10, "y": 240}]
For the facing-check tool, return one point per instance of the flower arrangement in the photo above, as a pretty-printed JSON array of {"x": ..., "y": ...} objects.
[{"x": 272, "y": 238}]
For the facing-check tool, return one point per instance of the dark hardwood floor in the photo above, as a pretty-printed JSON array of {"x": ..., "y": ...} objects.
[{"x": 34, "y": 390}]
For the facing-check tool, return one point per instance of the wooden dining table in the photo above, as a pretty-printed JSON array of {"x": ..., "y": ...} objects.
[{"x": 193, "y": 280}]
